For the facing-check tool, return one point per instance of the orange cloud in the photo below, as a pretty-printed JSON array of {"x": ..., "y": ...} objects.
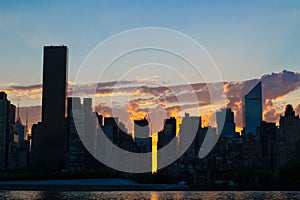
[
  {"x": 206, "y": 118},
  {"x": 275, "y": 86},
  {"x": 104, "y": 110}
]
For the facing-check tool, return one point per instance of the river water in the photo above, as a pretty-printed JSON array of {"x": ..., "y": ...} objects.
[{"x": 132, "y": 195}]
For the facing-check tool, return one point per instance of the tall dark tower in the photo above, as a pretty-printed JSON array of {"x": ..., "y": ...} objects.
[
  {"x": 225, "y": 123},
  {"x": 53, "y": 131},
  {"x": 252, "y": 110},
  {"x": 54, "y": 84}
]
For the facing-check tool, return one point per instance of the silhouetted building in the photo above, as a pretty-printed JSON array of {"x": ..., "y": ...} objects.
[
  {"x": 141, "y": 135},
  {"x": 168, "y": 133},
  {"x": 19, "y": 129},
  {"x": 225, "y": 123},
  {"x": 252, "y": 110},
  {"x": 188, "y": 128},
  {"x": 170, "y": 127},
  {"x": 125, "y": 139},
  {"x": 167, "y": 139},
  {"x": 117, "y": 133},
  {"x": 13, "y": 149},
  {"x": 111, "y": 128},
  {"x": 82, "y": 126},
  {"x": 76, "y": 148},
  {"x": 51, "y": 154},
  {"x": 252, "y": 152},
  {"x": 188, "y": 166},
  {"x": 268, "y": 133},
  {"x": 289, "y": 136},
  {"x": 4, "y": 130},
  {"x": 18, "y": 146},
  {"x": 12, "y": 114},
  {"x": 91, "y": 123},
  {"x": 36, "y": 136},
  {"x": 100, "y": 120}
]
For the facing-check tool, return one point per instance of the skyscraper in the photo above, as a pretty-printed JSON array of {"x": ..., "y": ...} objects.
[
  {"x": 76, "y": 149},
  {"x": 225, "y": 123},
  {"x": 290, "y": 125},
  {"x": 289, "y": 136},
  {"x": 4, "y": 130},
  {"x": 12, "y": 114},
  {"x": 252, "y": 110},
  {"x": 170, "y": 127},
  {"x": 141, "y": 135},
  {"x": 190, "y": 125},
  {"x": 268, "y": 133},
  {"x": 54, "y": 85},
  {"x": 168, "y": 133},
  {"x": 52, "y": 139}
]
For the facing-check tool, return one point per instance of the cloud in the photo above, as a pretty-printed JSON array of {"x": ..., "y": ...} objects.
[
  {"x": 18, "y": 91},
  {"x": 30, "y": 88},
  {"x": 271, "y": 112},
  {"x": 175, "y": 99},
  {"x": 206, "y": 118},
  {"x": 109, "y": 88},
  {"x": 104, "y": 110},
  {"x": 234, "y": 94},
  {"x": 297, "y": 109},
  {"x": 277, "y": 85},
  {"x": 274, "y": 86}
]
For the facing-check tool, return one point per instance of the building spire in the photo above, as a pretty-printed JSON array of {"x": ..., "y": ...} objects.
[
  {"x": 18, "y": 112},
  {"x": 26, "y": 128}
]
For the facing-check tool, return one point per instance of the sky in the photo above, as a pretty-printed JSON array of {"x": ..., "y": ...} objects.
[{"x": 246, "y": 39}]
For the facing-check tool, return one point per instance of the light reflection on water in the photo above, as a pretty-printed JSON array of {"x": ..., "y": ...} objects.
[{"x": 144, "y": 195}]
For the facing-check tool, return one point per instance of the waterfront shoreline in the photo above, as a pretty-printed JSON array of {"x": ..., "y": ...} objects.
[
  {"x": 114, "y": 184},
  {"x": 89, "y": 185}
]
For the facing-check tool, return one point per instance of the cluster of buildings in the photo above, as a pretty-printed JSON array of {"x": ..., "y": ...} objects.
[
  {"x": 14, "y": 141},
  {"x": 59, "y": 141},
  {"x": 261, "y": 145},
  {"x": 67, "y": 138}
]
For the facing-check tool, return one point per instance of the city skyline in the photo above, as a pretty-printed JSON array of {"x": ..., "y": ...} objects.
[
  {"x": 121, "y": 99},
  {"x": 273, "y": 103},
  {"x": 72, "y": 138}
]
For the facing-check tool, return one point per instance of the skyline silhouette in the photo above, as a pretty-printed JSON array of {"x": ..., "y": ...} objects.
[
  {"x": 274, "y": 101},
  {"x": 149, "y": 99}
]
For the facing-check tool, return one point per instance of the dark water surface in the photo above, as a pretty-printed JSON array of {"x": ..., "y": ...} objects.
[{"x": 146, "y": 195}]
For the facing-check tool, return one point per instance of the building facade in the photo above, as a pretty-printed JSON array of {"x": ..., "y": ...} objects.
[
  {"x": 289, "y": 136},
  {"x": 4, "y": 130},
  {"x": 51, "y": 154},
  {"x": 225, "y": 123},
  {"x": 252, "y": 110}
]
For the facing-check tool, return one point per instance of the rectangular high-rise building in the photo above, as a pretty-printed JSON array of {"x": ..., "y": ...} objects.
[
  {"x": 76, "y": 149},
  {"x": 252, "y": 110},
  {"x": 4, "y": 130},
  {"x": 51, "y": 133},
  {"x": 141, "y": 135},
  {"x": 225, "y": 123},
  {"x": 168, "y": 133},
  {"x": 54, "y": 84}
]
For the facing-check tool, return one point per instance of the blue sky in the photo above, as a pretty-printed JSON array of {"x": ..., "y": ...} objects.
[{"x": 246, "y": 39}]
